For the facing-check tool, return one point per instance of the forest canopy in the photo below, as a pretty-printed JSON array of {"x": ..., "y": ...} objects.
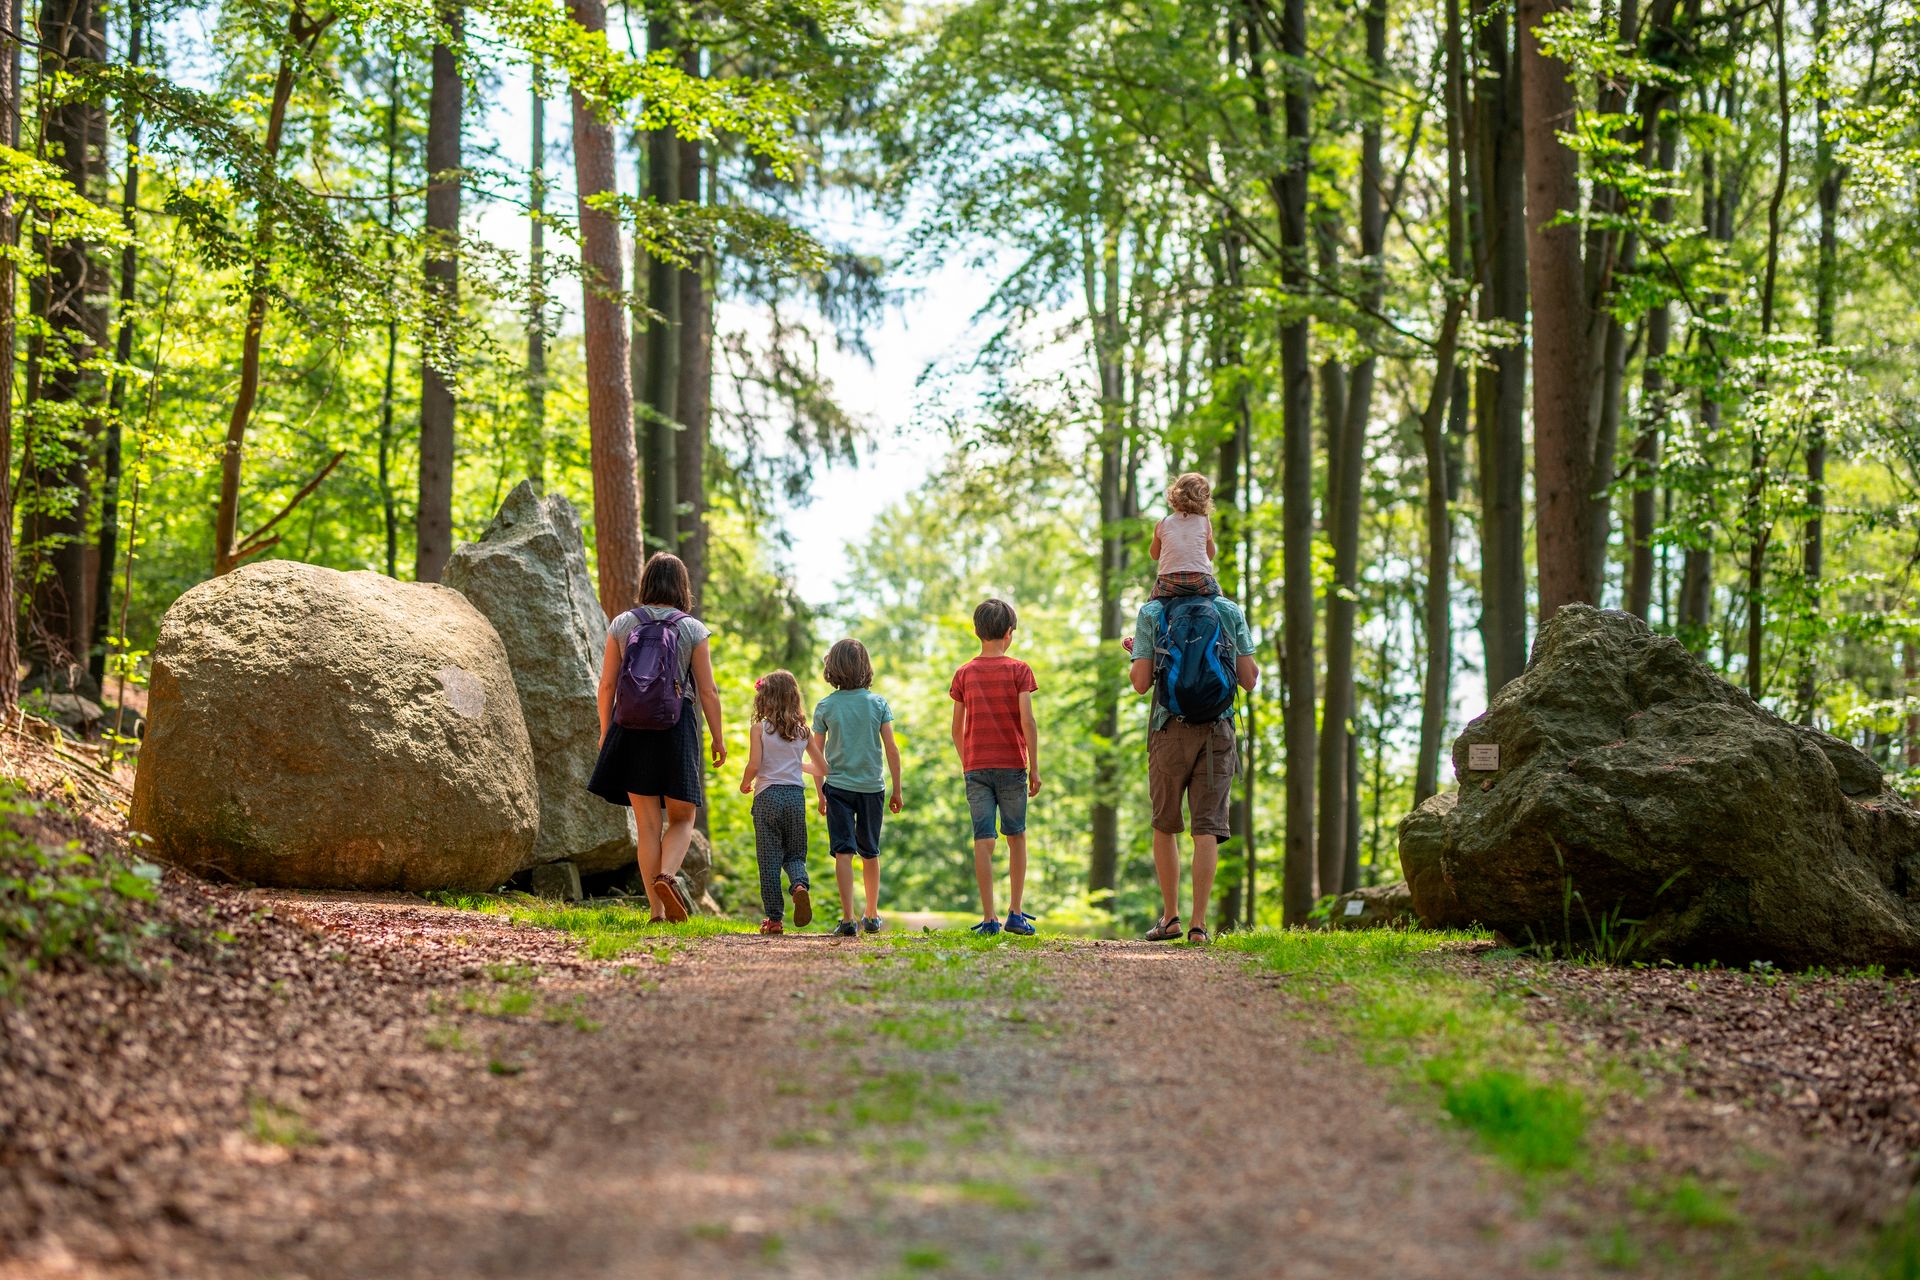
[{"x": 1468, "y": 309}]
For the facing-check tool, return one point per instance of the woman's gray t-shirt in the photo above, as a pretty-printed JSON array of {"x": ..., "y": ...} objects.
[{"x": 692, "y": 632}]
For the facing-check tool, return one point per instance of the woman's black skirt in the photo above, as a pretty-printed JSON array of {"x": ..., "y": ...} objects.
[{"x": 654, "y": 762}]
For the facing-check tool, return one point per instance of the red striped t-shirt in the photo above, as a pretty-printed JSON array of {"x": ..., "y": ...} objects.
[{"x": 995, "y": 737}]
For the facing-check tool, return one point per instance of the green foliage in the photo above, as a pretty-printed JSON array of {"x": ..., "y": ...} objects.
[{"x": 57, "y": 901}]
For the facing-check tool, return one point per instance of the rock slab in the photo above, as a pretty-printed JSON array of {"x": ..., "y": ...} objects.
[
  {"x": 528, "y": 575},
  {"x": 309, "y": 728},
  {"x": 1643, "y": 803},
  {"x": 1379, "y": 906}
]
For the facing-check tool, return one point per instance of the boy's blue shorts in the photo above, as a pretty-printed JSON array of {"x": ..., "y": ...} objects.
[{"x": 1004, "y": 790}]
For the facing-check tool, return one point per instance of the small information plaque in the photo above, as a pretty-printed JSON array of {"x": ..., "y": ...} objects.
[
  {"x": 1483, "y": 757},
  {"x": 1355, "y": 906}
]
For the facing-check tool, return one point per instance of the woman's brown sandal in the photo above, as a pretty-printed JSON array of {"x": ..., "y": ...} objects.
[
  {"x": 673, "y": 903},
  {"x": 1165, "y": 931}
]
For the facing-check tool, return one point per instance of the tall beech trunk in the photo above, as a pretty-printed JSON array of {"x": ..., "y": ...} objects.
[
  {"x": 694, "y": 396},
  {"x": 1562, "y": 360},
  {"x": 1758, "y": 527},
  {"x": 9, "y": 235},
  {"x": 1911, "y": 670},
  {"x": 537, "y": 287},
  {"x": 389, "y": 500},
  {"x": 110, "y": 468},
  {"x": 1346, "y": 463},
  {"x": 616, "y": 491},
  {"x": 1826, "y": 281},
  {"x": 1436, "y": 683},
  {"x": 1648, "y": 444},
  {"x": 1497, "y": 178},
  {"x": 70, "y": 304},
  {"x": 1100, "y": 270},
  {"x": 1289, "y": 192},
  {"x": 1695, "y": 605},
  {"x": 434, "y": 519},
  {"x": 658, "y": 426}
]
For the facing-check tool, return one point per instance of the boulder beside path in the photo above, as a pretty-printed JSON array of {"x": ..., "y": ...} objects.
[
  {"x": 309, "y": 728},
  {"x": 1620, "y": 797},
  {"x": 528, "y": 575}
]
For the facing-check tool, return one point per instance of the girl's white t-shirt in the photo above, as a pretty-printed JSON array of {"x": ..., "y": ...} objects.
[
  {"x": 1183, "y": 544},
  {"x": 781, "y": 760}
]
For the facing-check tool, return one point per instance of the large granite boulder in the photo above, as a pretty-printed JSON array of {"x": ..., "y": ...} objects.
[
  {"x": 318, "y": 729},
  {"x": 528, "y": 575},
  {"x": 1643, "y": 803}
]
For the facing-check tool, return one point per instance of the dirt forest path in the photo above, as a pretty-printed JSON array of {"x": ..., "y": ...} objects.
[{"x": 500, "y": 1106}]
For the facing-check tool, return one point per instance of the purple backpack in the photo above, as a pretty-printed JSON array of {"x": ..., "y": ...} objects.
[{"x": 650, "y": 692}]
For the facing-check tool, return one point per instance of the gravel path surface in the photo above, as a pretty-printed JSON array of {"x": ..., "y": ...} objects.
[{"x": 398, "y": 1090}]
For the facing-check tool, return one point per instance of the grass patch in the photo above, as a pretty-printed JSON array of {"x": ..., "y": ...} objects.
[
  {"x": 444, "y": 1037},
  {"x": 512, "y": 1003},
  {"x": 924, "y": 1258},
  {"x": 269, "y": 1122},
  {"x": 1517, "y": 1088},
  {"x": 606, "y": 931}
]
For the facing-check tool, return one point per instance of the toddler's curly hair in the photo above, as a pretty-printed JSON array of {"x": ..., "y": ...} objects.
[
  {"x": 1191, "y": 495},
  {"x": 776, "y": 702}
]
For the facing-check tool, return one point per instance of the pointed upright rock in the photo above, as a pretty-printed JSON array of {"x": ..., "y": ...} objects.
[{"x": 528, "y": 575}]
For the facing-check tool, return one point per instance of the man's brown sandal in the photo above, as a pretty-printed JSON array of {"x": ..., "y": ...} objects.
[
  {"x": 802, "y": 907},
  {"x": 673, "y": 903},
  {"x": 1165, "y": 931}
]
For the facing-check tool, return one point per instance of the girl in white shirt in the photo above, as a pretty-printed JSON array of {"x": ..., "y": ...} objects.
[{"x": 1183, "y": 542}]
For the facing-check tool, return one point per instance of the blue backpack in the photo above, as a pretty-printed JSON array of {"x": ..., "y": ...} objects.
[
  {"x": 650, "y": 692},
  {"x": 1194, "y": 661}
]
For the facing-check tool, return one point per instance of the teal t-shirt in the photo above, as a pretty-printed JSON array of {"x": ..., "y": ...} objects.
[
  {"x": 851, "y": 719},
  {"x": 1146, "y": 632}
]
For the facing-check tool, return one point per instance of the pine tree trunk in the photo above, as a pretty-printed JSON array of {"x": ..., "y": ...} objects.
[
  {"x": 616, "y": 494},
  {"x": 1826, "y": 283},
  {"x": 1562, "y": 362},
  {"x": 1653, "y": 409},
  {"x": 389, "y": 500},
  {"x": 1497, "y": 179},
  {"x": 434, "y": 518},
  {"x": 1101, "y": 276},
  {"x": 1759, "y": 525}
]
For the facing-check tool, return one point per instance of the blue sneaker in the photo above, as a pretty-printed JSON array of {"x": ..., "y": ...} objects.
[
  {"x": 986, "y": 928},
  {"x": 871, "y": 924},
  {"x": 1020, "y": 923},
  {"x": 846, "y": 929}
]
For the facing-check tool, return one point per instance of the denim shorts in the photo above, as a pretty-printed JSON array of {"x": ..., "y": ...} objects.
[{"x": 1004, "y": 790}]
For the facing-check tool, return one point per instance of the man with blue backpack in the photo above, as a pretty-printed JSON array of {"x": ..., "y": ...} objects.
[{"x": 1194, "y": 654}]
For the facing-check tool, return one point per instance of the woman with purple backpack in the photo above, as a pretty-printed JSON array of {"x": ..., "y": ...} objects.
[{"x": 657, "y": 665}]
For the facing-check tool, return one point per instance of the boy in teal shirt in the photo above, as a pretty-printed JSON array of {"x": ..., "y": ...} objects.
[{"x": 853, "y": 726}]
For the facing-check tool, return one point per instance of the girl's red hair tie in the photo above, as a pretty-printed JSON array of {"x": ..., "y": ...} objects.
[{"x": 759, "y": 684}]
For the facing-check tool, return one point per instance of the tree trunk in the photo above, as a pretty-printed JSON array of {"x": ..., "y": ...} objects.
[
  {"x": 389, "y": 501},
  {"x": 110, "y": 469},
  {"x": 9, "y": 235},
  {"x": 1911, "y": 651},
  {"x": 1101, "y": 280},
  {"x": 1758, "y": 526},
  {"x": 1653, "y": 410},
  {"x": 1346, "y": 463},
  {"x": 1500, "y": 395},
  {"x": 1562, "y": 362},
  {"x": 537, "y": 288},
  {"x": 695, "y": 358},
  {"x": 616, "y": 494},
  {"x": 659, "y": 428},
  {"x": 1296, "y": 483},
  {"x": 434, "y": 519},
  {"x": 1826, "y": 282},
  {"x": 71, "y": 306}
]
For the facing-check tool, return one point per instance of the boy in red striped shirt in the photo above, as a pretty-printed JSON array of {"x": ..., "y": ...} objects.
[{"x": 999, "y": 747}]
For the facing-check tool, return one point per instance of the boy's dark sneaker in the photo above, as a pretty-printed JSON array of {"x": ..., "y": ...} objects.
[
  {"x": 846, "y": 929},
  {"x": 871, "y": 924},
  {"x": 1020, "y": 923},
  {"x": 986, "y": 928}
]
